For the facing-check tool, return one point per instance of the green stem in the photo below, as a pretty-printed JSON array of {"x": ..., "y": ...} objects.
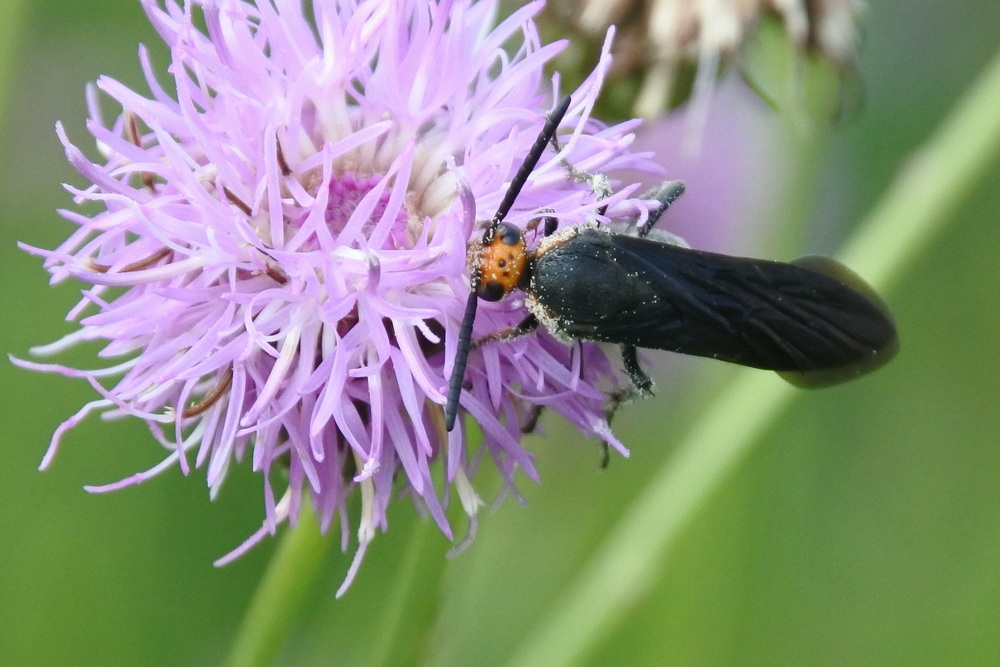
[
  {"x": 279, "y": 597},
  {"x": 912, "y": 212}
]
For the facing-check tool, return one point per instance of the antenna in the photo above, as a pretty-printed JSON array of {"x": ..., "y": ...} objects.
[{"x": 465, "y": 333}]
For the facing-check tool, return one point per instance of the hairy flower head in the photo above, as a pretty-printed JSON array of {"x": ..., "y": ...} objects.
[{"x": 278, "y": 261}]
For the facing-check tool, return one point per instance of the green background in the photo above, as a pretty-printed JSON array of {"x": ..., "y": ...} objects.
[{"x": 865, "y": 529}]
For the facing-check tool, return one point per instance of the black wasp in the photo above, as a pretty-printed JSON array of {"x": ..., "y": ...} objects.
[{"x": 812, "y": 320}]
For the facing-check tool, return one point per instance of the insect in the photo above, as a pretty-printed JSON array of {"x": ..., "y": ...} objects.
[{"x": 812, "y": 320}]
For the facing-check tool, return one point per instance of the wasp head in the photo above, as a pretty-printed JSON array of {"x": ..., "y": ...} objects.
[{"x": 502, "y": 263}]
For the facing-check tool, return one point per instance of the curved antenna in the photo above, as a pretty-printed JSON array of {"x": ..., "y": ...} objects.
[{"x": 465, "y": 333}]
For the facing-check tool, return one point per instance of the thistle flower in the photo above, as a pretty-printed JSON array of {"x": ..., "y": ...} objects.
[{"x": 278, "y": 265}]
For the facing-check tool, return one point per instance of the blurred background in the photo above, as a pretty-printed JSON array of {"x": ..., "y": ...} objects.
[{"x": 864, "y": 529}]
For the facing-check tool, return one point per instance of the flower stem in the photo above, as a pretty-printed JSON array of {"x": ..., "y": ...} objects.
[
  {"x": 279, "y": 597},
  {"x": 915, "y": 208}
]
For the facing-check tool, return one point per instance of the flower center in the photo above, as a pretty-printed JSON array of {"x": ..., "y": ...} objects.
[{"x": 350, "y": 197}]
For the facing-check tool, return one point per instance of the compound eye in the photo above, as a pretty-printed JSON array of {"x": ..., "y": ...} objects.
[
  {"x": 502, "y": 263},
  {"x": 491, "y": 291},
  {"x": 509, "y": 234}
]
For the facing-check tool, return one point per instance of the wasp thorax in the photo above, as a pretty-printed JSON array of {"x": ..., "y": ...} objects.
[{"x": 502, "y": 263}]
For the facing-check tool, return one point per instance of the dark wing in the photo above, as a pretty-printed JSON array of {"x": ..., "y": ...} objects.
[{"x": 813, "y": 320}]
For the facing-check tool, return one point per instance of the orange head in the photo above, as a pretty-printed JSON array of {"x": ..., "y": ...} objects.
[{"x": 503, "y": 262}]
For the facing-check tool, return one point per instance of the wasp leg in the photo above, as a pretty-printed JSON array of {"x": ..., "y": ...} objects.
[
  {"x": 605, "y": 454},
  {"x": 667, "y": 193},
  {"x": 549, "y": 224},
  {"x": 525, "y": 326},
  {"x": 531, "y": 422},
  {"x": 599, "y": 183},
  {"x": 616, "y": 399},
  {"x": 643, "y": 385}
]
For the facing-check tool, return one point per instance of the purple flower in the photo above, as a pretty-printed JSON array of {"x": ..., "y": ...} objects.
[{"x": 278, "y": 265}]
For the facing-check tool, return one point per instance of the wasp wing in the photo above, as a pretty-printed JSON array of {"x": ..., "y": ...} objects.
[{"x": 813, "y": 320}]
